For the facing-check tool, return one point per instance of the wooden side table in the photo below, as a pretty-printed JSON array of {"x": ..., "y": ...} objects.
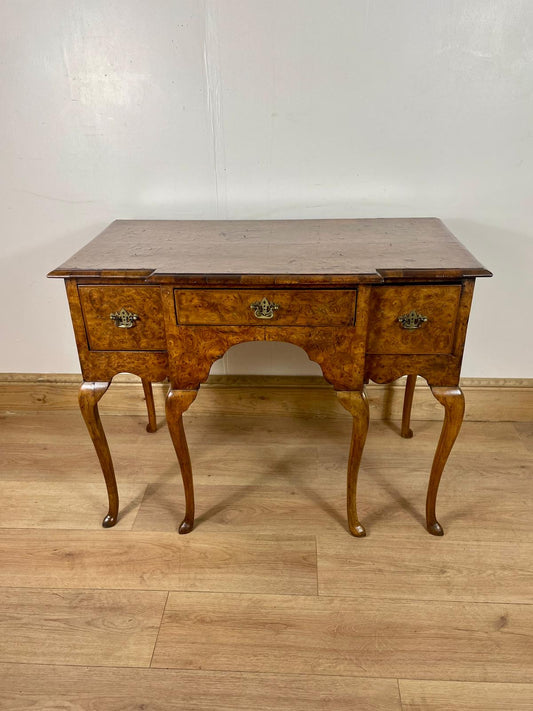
[{"x": 366, "y": 299}]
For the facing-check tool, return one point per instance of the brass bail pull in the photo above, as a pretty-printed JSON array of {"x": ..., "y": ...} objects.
[
  {"x": 412, "y": 320},
  {"x": 264, "y": 308},
  {"x": 124, "y": 319}
]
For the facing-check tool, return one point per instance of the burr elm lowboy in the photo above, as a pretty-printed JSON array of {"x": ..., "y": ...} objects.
[{"x": 367, "y": 299}]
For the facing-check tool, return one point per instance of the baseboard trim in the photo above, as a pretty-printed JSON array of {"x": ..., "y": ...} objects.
[{"x": 494, "y": 399}]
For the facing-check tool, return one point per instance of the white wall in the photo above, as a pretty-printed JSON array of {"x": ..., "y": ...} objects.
[{"x": 264, "y": 109}]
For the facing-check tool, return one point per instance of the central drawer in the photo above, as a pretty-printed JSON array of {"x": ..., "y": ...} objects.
[{"x": 265, "y": 307}]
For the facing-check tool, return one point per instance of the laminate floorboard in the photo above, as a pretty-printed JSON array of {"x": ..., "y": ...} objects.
[
  {"x": 143, "y": 560},
  {"x": 153, "y": 460},
  {"x": 423, "y": 569},
  {"x": 466, "y": 696},
  {"x": 525, "y": 432},
  {"x": 347, "y": 636},
  {"x": 82, "y": 627},
  {"x": 59, "y": 504},
  {"x": 99, "y": 689}
]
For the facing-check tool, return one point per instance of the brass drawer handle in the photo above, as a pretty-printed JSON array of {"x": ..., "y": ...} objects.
[
  {"x": 264, "y": 308},
  {"x": 124, "y": 319},
  {"x": 412, "y": 320}
]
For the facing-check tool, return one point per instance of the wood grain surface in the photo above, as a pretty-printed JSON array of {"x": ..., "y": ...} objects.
[
  {"x": 155, "y": 560},
  {"x": 92, "y": 689},
  {"x": 271, "y": 604},
  {"x": 147, "y": 332},
  {"x": 61, "y": 505},
  {"x": 488, "y": 400},
  {"x": 227, "y": 307},
  {"x": 296, "y": 251},
  {"x": 94, "y": 627},
  {"x": 464, "y": 696},
  {"x": 345, "y": 636},
  {"x": 438, "y": 304}
]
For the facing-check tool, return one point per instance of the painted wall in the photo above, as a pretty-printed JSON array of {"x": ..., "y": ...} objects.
[{"x": 264, "y": 109}]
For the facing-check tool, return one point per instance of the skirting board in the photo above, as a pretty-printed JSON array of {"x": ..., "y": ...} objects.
[{"x": 507, "y": 399}]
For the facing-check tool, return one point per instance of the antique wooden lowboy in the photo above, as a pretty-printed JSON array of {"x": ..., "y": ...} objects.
[{"x": 367, "y": 299}]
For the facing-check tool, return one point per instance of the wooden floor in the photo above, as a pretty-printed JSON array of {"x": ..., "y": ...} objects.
[{"x": 269, "y": 604}]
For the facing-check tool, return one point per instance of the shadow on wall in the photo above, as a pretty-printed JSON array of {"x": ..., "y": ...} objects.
[{"x": 497, "y": 344}]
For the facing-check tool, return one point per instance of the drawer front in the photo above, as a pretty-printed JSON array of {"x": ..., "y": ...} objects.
[
  {"x": 413, "y": 319},
  {"x": 244, "y": 307},
  {"x": 124, "y": 332}
]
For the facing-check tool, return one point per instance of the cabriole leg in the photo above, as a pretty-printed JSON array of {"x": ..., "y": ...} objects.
[
  {"x": 150, "y": 406},
  {"x": 453, "y": 400},
  {"x": 176, "y": 403},
  {"x": 406, "y": 431},
  {"x": 357, "y": 405},
  {"x": 89, "y": 395}
]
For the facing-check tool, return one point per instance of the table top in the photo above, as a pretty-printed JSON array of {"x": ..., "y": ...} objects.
[{"x": 251, "y": 252}]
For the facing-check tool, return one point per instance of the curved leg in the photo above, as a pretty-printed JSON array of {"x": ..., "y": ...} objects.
[
  {"x": 406, "y": 431},
  {"x": 176, "y": 403},
  {"x": 357, "y": 405},
  {"x": 150, "y": 406},
  {"x": 88, "y": 397},
  {"x": 453, "y": 400}
]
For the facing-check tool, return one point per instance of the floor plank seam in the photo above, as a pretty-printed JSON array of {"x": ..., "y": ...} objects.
[
  {"x": 192, "y": 591},
  {"x": 201, "y": 672},
  {"x": 146, "y": 485},
  {"x": 318, "y": 675},
  {"x": 403, "y": 537},
  {"x": 442, "y": 600},
  {"x": 235, "y": 593},
  {"x": 399, "y": 694},
  {"x": 316, "y": 568},
  {"x": 465, "y": 681},
  {"x": 159, "y": 630},
  {"x": 225, "y": 593}
]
